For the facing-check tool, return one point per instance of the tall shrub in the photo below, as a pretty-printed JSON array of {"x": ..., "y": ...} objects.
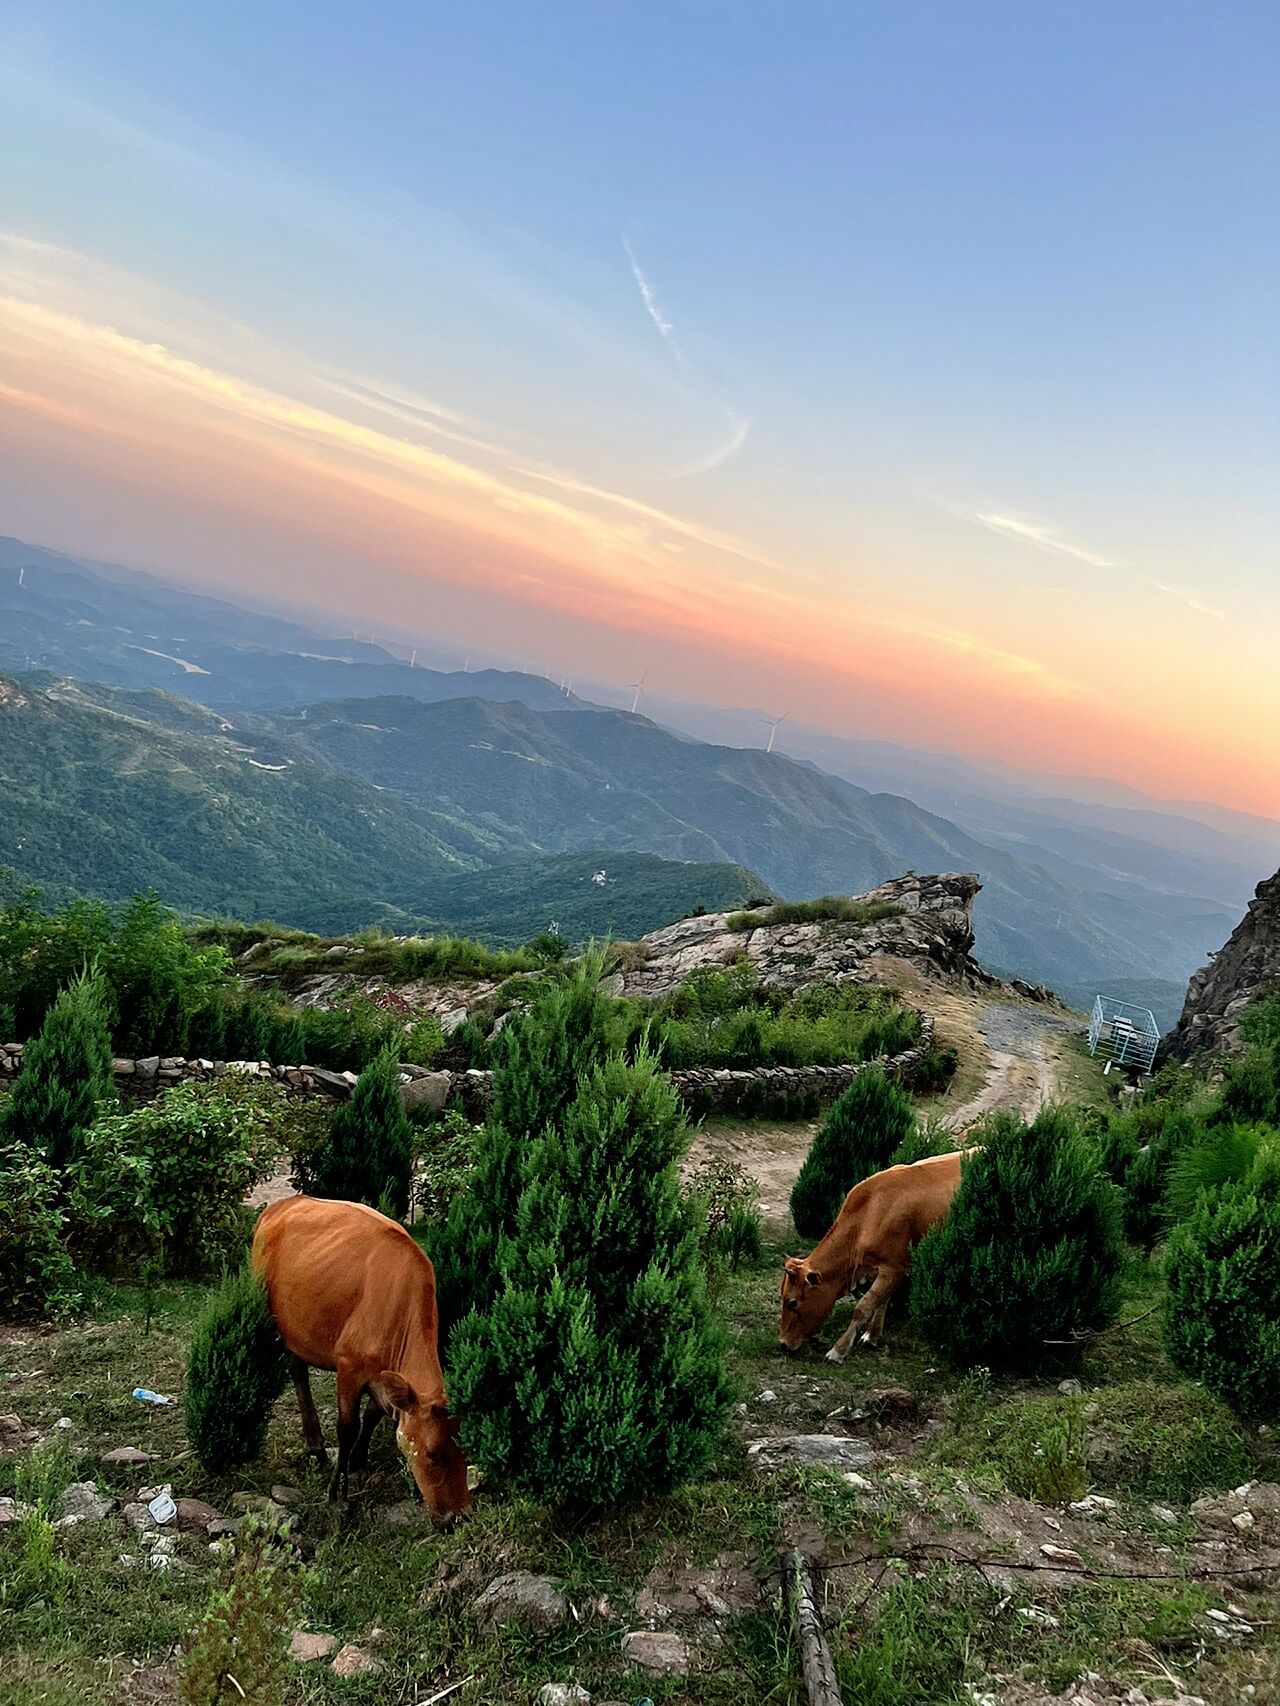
[
  {"x": 1031, "y": 1250},
  {"x": 1222, "y": 1312},
  {"x": 866, "y": 1124},
  {"x": 36, "y": 1275},
  {"x": 596, "y": 1373},
  {"x": 236, "y": 1369},
  {"x": 539, "y": 1059},
  {"x": 369, "y": 1155},
  {"x": 66, "y": 1075}
]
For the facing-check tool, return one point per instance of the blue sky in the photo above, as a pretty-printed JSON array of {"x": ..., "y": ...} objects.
[{"x": 959, "y": 322}]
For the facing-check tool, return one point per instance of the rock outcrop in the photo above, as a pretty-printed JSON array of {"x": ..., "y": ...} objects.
[
  {"x": 1247, "y": 969},
  {"x": 931, "y": 929}
]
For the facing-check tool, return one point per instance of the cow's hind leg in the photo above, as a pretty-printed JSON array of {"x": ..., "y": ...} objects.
[
  {"x": 868, "y": 1317},
  {"x": 349, "y": 1390},
  {"x": 373, "y": 1414},
  {"x": 307, "y": 1406}
]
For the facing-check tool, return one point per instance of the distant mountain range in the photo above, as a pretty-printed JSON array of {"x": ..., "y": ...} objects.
[{"x": 285, "y": 771}]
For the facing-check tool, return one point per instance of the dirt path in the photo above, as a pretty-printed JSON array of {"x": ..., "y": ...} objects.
[{"x": 1023, "y": 1043}]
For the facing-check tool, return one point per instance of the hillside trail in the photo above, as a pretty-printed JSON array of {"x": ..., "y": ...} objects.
[{"x": 1014, "y": 1054}]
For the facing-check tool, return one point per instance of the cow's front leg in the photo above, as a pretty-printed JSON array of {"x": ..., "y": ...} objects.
[
  {"x": 373, "y": 1414},
  {"x": 349, "y": 1390},
  {"x": 868, "y": 1317}
]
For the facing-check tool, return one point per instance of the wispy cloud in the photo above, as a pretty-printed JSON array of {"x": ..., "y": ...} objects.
[
  {"x": 666, "y": 331},
  {"x": 739, "y": 427},
  {"x": 1182, "y": 596},
  {"x": 1042, "y": 536}
]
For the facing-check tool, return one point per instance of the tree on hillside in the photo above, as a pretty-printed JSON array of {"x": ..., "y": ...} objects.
[
  {"x": 864, "y": 1127},
  {"x": 595, "y": 1373},
  {"x": 369, "y": 1154},
  {"x": 539, "y": 1059},
  {"x": 66, "y": 1075},
  {"x": 1222, "y": 1314},
  {"x": 1031, "y": 1249}
]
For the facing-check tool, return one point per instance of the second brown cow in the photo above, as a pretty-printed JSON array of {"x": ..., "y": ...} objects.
[{"x": 882, "y": 1220}]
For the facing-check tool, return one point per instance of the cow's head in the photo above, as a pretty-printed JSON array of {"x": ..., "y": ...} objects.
[
  {"x": 428, "y": 1439},
  {"x": 808, "y": 1297}
]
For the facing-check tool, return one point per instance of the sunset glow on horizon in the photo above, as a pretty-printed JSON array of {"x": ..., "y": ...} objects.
[{"x": 610, "y": 429}]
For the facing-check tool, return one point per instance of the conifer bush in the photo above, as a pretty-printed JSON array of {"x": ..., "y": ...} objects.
[
  {"x": 66, "y": 1075},
  {"x": 864, "y": 1127},
  {"x": 1222, "y": 1310},
  {"x": 595, "y": 1374},
  {"x": 236, "y": 1369},
  {"x": 369, "y": 1153},
  {"x": 539, "y": 1058},
  {"x": 1031, "y": 1250}
]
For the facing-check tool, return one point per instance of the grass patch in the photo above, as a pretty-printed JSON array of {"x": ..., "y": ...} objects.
[{"x": 827, "y": 909}]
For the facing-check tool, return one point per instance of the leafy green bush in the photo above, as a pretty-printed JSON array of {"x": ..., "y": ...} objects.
[
  {"x": 36, "y": 1273},
  {"x": 1250, "y": 1092},
  {"x": 1222, "y": 1313},
  {"x": 446, "y": 1160},
  {"x": 165, "y": 1183},
  {"x": 924, "y": 1141},
  {"x": 1141, "y": 1151},
  {"x": 239, "y": 1648},
  {"x": 369, "y": 1155},
  {"x": 595, "y": 1375},
  {"x": 866, "y": 1124},
  {"x": 727, "y": 1199},
  {"x": 1217, "y": 1156},
  {"x": 936, "y": 1070},
  {"x": 1031, "y": 1250},
  {"x": 66, "y": 1075},
  {"x": 236, "y": 1369}
]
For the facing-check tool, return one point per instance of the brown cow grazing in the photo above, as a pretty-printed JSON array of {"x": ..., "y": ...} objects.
[
  {"x": 882, "y": 1220},
  {"x": 350, "y": 1290}
]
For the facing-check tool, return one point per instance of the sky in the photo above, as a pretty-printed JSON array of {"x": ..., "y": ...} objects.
[{"x": 910, "y": 369}]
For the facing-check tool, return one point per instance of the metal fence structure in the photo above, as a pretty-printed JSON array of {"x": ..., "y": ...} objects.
[{"x": 1123, "y": 1034}]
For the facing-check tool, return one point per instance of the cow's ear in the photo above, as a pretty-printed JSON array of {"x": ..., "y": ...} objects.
[
  {"x": 812, "y": 1277},
  {"x": 393, "y": 1391}
]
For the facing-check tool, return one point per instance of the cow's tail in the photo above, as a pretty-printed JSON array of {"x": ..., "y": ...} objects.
[{"x": 236, "y": 1369}]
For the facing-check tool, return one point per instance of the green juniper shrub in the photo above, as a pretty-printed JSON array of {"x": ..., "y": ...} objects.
[
  {"x": 1222, "y": 1312},
  {"x": 1260, "y": 1023},
  {"x": 1250, "y": 1092},
  {"x": 728, "y": 1200},
  {"x": 236, "y": 1369},
  {"x": 238, "y": 1651},
  {"x": 36, "y": 1272},
  {"x": 924, "y": 1141},
  {"x": 369, "y": 1155},
  {"x": 539, "y": 1058},
  {"x": 165, "y": 1182},
  {"x": 1140, "y": 1151},
  {"x": 595, "y": 1375},
  {"x": 66, "y": 1075},
  {"x": 866, "y": 1124},
  {"x": 936, "y": 1070},
  {"x": 1216, "y": 1156},
  {"x": 1030, "y": 1252}
]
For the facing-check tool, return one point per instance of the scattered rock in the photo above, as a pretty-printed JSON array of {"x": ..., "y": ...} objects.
[
  {"x": 563, "y": 1694},
  {"x": 520, "y": 1597},
  {"x": 354, "y": 1661},
  {"x": 128, "y": 1456},
  {"x": 1162, "y": 1513},
  {"x": 194, "y": 1516},
  {"x": 1063, "y": 1555},
  {"x": 12, "y": 1511},
  {"x": 10, "y": 1424},
  {"x": 767, "y": 1397},
  {"x": 431, "y": 1092},
  {"x": 285, "y": 1495},
  {"x": 1070, "y": 1388},
  {"x": 835, "y": 1451},
  {"x": 1094, "y": 1507},
  {"x": 894, "y": 1402},
  {"x": 245, "y": 1502},
  {"x": 82, "y": 1502},
  {"x": 223, "y": 1528},
  {"x": 137, "y": 1515},
  {"x": 306, "y": 1648},
  {"x": 64, "y": 1423},
  {"x": 408, "y": 1513},
  {"x": 656, "y": 1650}
]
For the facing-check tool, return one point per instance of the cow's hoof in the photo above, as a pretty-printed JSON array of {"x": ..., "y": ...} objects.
[{"x": 833, "y": 1355}]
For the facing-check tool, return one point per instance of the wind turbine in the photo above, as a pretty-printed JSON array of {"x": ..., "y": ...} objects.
[
  {"x": 775, "y": 724},
  {"x": 637, "y": 691}
]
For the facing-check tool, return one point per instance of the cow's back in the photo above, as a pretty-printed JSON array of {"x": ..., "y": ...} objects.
[
  {"x": 886, "y": 1215},
  {"x": 340, "y": 1278}
]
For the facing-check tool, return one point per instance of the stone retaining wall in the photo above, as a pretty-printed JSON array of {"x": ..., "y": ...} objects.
[{"x": 707, "y": 1086}]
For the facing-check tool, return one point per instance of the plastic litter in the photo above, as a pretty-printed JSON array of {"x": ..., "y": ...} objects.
[
  {"x": 162, "y": 1508},
  {"x": 144, "y": 1396}
]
